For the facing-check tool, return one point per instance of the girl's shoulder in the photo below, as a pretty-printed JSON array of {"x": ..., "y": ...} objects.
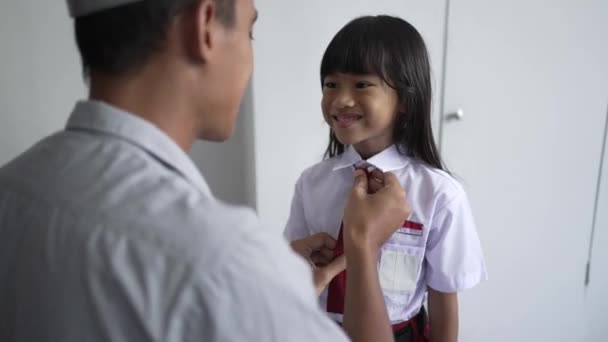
[
  {"x": 435, "y": 181},
  {"x": 322, "y": 169}
]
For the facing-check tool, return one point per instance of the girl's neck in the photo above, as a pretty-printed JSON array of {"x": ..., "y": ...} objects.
[{"x": 368, "y": 149}]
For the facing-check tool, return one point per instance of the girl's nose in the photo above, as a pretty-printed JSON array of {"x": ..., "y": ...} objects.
[{"x": 343, "y": 100}]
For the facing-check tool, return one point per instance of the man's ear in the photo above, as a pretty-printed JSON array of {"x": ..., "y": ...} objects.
[{"x": 203, "y": 37}]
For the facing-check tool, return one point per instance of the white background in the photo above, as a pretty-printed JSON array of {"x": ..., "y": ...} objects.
[{"x": 281, "y": 132}]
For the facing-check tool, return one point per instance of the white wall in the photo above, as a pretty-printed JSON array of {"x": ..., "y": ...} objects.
[
  {"x": 39, "y": 72},
  {"x": 40, "y": 79},
  {"x": 291, "y": 36},
  {"x": 596, "y": 298},
  {"x": 229, "y": 166},
  {"x": 532, "y": 78}
]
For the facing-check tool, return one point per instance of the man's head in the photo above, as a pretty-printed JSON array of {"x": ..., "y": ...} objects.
[{"x": 204, "y": 45}]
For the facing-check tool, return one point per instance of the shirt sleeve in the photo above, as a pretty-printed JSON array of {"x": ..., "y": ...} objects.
[
  {"x": 454, "y": 256},
  {"x": 248, "y": 286},
  {"x": 296, "y": 227},
  {"x": 263, "y": 292}
]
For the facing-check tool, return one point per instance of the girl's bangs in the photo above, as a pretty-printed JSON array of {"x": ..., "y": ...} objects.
[{"x": 350, "y": 52}]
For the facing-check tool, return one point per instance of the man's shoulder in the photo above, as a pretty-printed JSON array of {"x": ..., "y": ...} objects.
[
  {"x": 199, "y": 235},
  {"x": 171, "y": 250},
  {"x": 109, "y": 187}
]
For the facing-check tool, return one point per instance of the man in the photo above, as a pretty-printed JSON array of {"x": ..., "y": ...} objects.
[{"x": 109, "y": 233}]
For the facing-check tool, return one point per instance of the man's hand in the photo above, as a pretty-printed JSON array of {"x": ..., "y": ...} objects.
[
  {"x": 376, "y": 208},
  {"x": 324, "y": 275},
  {"x": 318, "y": 250}
]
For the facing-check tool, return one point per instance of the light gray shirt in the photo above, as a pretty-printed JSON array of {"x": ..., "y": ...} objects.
[{"x": 108, "y": 232}]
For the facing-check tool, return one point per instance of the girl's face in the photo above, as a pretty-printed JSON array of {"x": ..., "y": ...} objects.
[{"x": 361, "y": 109}]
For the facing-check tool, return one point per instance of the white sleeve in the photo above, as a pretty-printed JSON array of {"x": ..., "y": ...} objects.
[
  {"x": 263, "y": 292},
  {"x": 296, "y": 227},
  {"x": 222, "y": 279},
  {"x": 454, "y": 256}
]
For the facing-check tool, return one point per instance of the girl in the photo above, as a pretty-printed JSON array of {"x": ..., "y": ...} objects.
[{"x": 376, "y": 84}]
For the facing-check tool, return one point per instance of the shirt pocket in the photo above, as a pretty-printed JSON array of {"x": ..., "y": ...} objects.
[
  {"x": 399, "y": 268},
  {"x": 402, "y": 238}
]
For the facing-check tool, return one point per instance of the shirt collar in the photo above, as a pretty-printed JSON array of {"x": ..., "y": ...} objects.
[
  {"x": 103, "y": 118},
  {"x": 388, "y": 160}
]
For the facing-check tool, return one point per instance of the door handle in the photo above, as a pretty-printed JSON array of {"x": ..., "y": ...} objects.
[{"x": 455, "y": 116}]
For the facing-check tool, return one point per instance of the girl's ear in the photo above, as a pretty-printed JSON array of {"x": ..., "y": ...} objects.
[
  {"x": 403, "y": 116},
  {"x": 402, "y": 108}
]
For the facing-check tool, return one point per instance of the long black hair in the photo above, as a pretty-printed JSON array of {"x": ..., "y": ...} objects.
[{"x": 394, "y": 50}]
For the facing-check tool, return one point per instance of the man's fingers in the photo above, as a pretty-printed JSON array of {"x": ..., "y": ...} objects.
[
  {"x": 393, "y": 189},
  {"x": 375, "y": 181},
  {"x": 360, "y": 184},
  {"x": 324, "y": 275},
  {"x": 391, "y": 184},
  {"x": 327, "y": 253},
  {"x": 390, "y": 179},
  {"x": 319, "y": 258},
  {"x": 321, "y": 241},
  {"x": 377, "y": 175},
  {"x": 335, "y": 267}
]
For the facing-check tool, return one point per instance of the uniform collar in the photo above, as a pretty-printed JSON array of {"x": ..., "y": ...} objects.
[
  {"x": 103, "y": 118},
  {"x": 388, "y": 160}
]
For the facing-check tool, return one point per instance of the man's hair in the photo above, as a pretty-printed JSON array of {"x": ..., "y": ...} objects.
[{"x": 119, "y": 40}]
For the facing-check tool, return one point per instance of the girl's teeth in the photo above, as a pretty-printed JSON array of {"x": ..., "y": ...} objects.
[{"x": 347, "y": 118}]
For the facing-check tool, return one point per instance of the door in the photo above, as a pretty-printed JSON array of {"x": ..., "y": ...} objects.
[
  {"x": 596, "y": 296},
  {"x": 530, "y": 79}
]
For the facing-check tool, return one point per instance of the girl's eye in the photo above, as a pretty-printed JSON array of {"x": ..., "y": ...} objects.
[
  {"x": 330, "y": 85},
  {"x": 363, "y": 85}
]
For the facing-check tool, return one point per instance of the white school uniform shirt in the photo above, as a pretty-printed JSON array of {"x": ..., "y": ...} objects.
[
  {"x": 446, "y": 255},
  {"x": 108, "y": 232}
]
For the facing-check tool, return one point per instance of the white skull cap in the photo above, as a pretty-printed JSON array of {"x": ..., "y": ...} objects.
[{"x": 79, "y": 8}]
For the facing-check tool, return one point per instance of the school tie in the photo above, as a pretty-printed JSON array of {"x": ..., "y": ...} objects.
[{"x": 337, "y": 287}]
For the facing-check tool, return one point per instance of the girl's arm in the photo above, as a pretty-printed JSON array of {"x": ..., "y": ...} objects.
[{"x": 443, "y": 316}]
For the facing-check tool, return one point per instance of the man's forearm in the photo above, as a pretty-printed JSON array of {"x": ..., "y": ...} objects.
[
  {"x": 365, "y": 316},
  {"x": 369, "y": 220}
]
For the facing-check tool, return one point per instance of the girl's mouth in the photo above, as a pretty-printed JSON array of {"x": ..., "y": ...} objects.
[{"x": 346, "y": 120}]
